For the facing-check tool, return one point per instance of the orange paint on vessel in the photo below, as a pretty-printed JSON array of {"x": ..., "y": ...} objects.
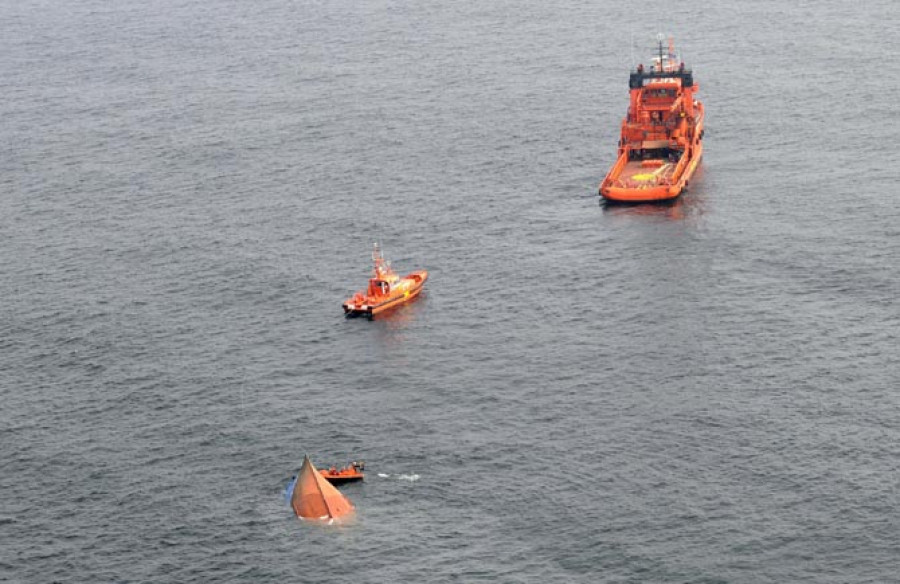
[
  {"x": 660, "y": 144},
  {"x": 386, "y": 289},
  {"x": 315, "y": 498},
  {"x": 338, "y": 476}
]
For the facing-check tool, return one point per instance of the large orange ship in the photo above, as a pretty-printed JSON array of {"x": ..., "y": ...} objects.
[{"x": 660, "y": 144}]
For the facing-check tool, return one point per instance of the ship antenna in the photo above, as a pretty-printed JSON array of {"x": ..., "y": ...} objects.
[{"x": 659, "y": 38}]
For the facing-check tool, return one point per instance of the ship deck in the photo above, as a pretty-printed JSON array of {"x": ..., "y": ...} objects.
[{"x": 635, "y": 173}]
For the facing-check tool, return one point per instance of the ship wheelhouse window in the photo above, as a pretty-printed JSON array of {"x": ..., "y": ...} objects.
[
  {"x": 659, "y": 93},
  {"x": 670, "y": 154}
]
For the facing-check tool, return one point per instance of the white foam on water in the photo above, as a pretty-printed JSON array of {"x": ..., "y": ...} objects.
[{"x": 400, "y": 477}]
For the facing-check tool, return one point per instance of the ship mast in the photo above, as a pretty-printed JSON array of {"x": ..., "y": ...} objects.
[{"x": 659, "y": 38}]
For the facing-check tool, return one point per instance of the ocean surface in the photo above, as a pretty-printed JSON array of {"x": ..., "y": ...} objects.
[{"x": 704, "y": 392}]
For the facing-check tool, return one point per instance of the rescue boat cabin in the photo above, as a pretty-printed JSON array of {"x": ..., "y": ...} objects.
[
  {"x": 660, "y": 113},
  {"x": 384, "y": 277},
  {"x": 378, "y": 287}
]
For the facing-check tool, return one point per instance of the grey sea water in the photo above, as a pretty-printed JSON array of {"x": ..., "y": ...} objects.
[{"x": 700, "y": 392}]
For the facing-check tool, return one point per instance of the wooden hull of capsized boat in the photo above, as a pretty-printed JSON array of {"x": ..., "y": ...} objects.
[
  {"x": 313, "y": 497},
  {"x": 373, "y": 305}
]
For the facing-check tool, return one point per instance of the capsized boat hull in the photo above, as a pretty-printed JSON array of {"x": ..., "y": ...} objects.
[
  {"x": 314, "y": 498},
  {"x": 409, "y": 287}
]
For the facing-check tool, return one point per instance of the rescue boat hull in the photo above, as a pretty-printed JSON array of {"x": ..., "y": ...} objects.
[
  {"x": 341, "y": 478},
  {"x": 371, "y": 306}
]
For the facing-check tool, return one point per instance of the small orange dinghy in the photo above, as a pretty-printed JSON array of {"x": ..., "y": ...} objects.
[
  {"x": 348, "y": 474},
  {"x": 315, "y": 498},
  {"x": 386, "y": 289}
]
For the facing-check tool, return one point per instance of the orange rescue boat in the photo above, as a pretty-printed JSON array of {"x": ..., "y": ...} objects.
[
  {"x": 348, "y": 474},
  {"x": 386, "y": 289},
  {"x": 660, "y": 144}
]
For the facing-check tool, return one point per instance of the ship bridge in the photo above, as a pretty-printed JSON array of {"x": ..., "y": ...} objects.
[{"x": 638, "y": 78}]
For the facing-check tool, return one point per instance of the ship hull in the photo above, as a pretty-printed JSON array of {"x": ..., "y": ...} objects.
[
  {"x": 660, "y": 140},
  {"x": 372, "y": 306},
  {"x": 341, "y": 478},
  {"x": 649, "y": 193}
]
